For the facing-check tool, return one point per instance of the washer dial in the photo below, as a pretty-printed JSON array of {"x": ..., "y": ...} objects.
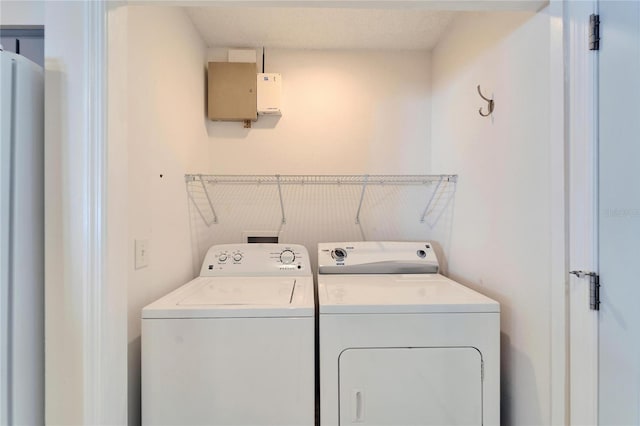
[{"x": 287, "y": 257}]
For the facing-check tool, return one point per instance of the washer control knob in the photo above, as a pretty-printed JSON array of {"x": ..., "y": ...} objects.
[
  {"x": 339, "y": 254},
  {"x": 287, "y": 257},
  {"x": 421, "y": 254},
  {"x": 222, "y": 257},
  {"x": 237, "y": 257}
]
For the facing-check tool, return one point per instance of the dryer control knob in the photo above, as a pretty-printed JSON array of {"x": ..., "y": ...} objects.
[
  {"x": 339, "y": 254},
  {"x": 237, "y": 257},
  {"x": 287, "y": 257},
  {"x": 222, "y": 257}
]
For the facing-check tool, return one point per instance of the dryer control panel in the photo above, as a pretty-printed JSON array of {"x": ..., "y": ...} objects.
[
  {"x": 377, "y": 257},
  {"x": 225, "y": 260}
]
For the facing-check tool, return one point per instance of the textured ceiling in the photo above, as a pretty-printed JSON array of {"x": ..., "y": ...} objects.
[{"x": 320, "y": 28}]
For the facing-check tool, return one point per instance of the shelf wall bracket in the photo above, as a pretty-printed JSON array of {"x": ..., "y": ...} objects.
[
  {"x": 197, "y": 207},
  {"x": 284, "y": 219},
  {"x": 433, "y": 196},
  {"x": 206, "y": 193},
  {"x": 364, "y": 188}
]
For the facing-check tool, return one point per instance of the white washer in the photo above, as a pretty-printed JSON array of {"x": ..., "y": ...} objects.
[
  {"x": 401, "y": 344},
  {"x": 234, "y": 346}
]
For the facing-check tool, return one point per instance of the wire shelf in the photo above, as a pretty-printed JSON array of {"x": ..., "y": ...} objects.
[
  {"x": 321, "y": 179},
  {"x": 200, "y": 188},
  {"x": 308, "y": 209}
]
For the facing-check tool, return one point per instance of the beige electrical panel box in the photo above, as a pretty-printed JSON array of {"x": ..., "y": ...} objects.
[{"x": 232, "y": 91}]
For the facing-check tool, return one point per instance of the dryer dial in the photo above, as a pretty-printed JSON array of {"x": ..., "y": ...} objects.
[{"x": 339, "y": 254}]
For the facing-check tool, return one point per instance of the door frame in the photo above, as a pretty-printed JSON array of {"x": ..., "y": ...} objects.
[
  {"x": 94, "y": 288},
  {"x": 582, "y": 175},
  {"x": 85, "y": 303}
]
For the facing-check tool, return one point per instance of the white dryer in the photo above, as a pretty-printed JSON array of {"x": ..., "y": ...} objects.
[
  {"x": 235, "y": 346},
  {"x": 401, "y": 344}
]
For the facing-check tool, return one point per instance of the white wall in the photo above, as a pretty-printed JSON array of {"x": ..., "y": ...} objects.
[
  {"x": 337, "y": 105},
  {"x": 343, "y": 112},
  {"x": 166, "y": 137},
  {"x": 357, "y": 112},
  {"x": 22, "y": 12},
  {"x": 502, "y": 237}
]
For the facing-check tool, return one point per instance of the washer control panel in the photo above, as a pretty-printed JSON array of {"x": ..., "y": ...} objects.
[
  {"x": 375, "y": 257},
  {"x": 256, "y": 260}
]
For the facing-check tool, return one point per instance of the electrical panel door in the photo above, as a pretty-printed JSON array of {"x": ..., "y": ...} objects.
[{"x": 232, "y": 91}]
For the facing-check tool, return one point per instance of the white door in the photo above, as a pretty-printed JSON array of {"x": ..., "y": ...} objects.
[
  {"x": 619, "y": 213},
  {"x": 410, "y": 386}
]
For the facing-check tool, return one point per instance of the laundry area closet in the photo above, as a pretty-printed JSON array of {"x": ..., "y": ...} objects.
[{"x": 399, "y": 121}]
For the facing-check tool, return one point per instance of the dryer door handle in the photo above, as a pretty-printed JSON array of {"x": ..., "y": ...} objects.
[{"x": 357, "y": 409}]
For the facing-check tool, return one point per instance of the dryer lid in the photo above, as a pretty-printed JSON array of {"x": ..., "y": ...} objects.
[{"x": 388, "y": 294}]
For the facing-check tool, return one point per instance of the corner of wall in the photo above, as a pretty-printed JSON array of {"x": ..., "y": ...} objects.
[{"x": 165, "y": 139}]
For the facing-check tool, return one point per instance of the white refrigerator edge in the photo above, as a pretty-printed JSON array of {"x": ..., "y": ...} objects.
[{"x": 21, "y": 241}]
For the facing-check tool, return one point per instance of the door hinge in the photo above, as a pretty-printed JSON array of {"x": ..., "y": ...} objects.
[
  {"x": 594, "y": 32},
  {"x": 594, "y": 288}
]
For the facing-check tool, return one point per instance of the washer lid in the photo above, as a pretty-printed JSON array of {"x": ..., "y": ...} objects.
[
  {"x": 389, "y": 294},
  {"x": 241, "y": 291},
  {"x": 236, "y": 297}
]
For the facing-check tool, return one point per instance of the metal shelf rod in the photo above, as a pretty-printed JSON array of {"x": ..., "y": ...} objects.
[
  {"x": 284, "y": 219},
  {"x": 206, "y": 192},
  {"x": 364, "y": 188},
  {"x": 433, "y": 195},
  {"x": 322, "y": 179}
]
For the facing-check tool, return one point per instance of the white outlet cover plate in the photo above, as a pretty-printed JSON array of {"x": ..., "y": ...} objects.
[{"x": 142, "y": 253}]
